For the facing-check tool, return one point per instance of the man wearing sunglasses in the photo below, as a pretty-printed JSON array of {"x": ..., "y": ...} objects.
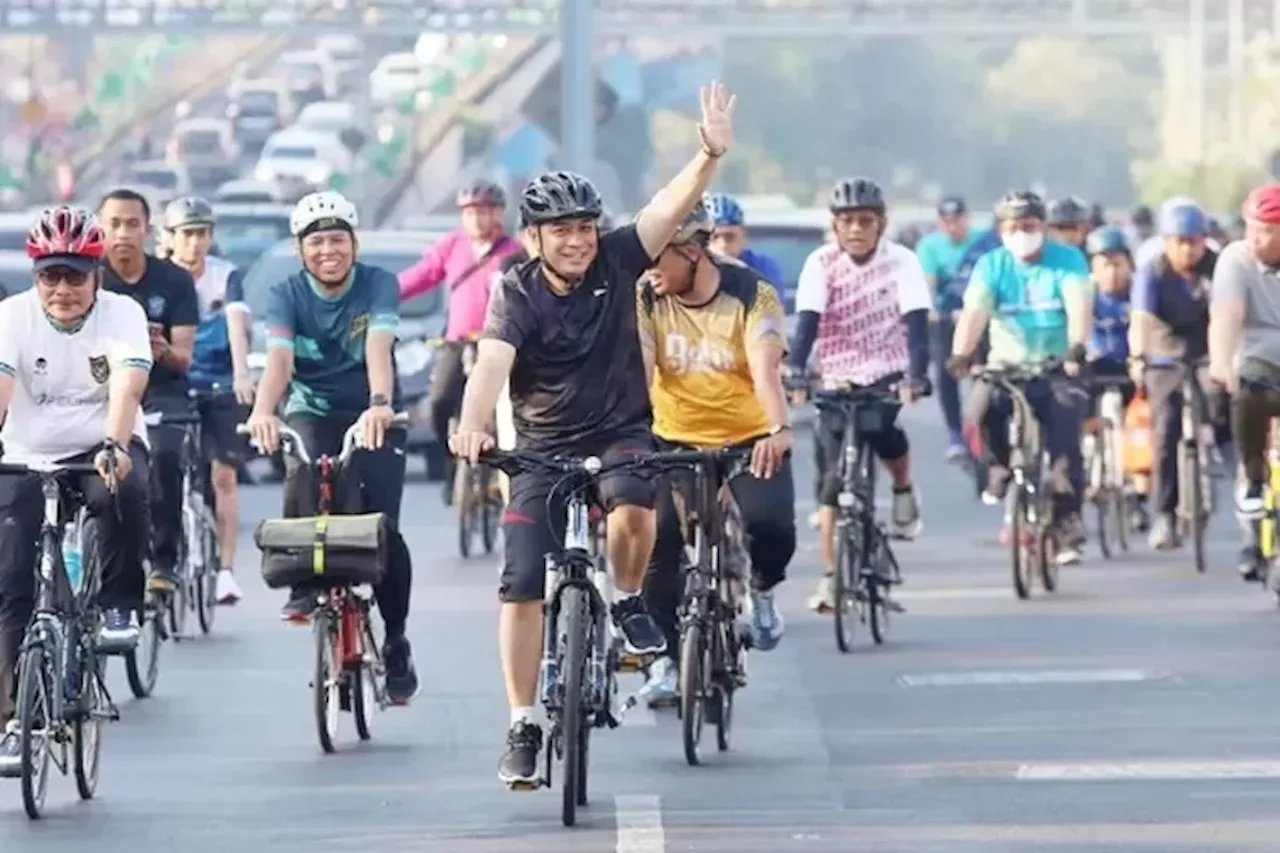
[{"x": 73, "y": 367}]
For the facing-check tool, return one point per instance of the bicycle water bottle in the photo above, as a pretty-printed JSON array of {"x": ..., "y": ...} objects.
[{"x": 71, "y": 555}]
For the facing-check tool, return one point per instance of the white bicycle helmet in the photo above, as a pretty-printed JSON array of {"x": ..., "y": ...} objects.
[{"x": 327, "y": 209}]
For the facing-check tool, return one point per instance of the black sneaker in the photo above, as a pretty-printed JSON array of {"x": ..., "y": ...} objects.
[
  {"x": 119, "y": 631},
  {"x": 10, "y": 753},
  {"x": 1071, "y": 531},
  {"x": 519, "y": 764},
  {"x": 1251, "y": 566},
  {"x": 402, "y": 679},
  {"x": 299, "y": 607},
  {"x": 640, "y": 634}
]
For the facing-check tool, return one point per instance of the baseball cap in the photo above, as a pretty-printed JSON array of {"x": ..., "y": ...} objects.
[
  {"x": 79, "y": 263},
  {"x": 952, "y": 205}
]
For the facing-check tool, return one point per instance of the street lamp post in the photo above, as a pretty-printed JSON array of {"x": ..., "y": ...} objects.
[{"x": 577, "y": 86}]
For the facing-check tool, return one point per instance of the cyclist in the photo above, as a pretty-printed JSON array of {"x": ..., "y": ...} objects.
[
  {"x": 1170, "y": 323},
  {"x": 1035, "y": 295},
  {"x": 221, "y": 358},
  {"x": 864, "y": 302},
  {"x": 563, "y": 328},
  {"x": 465, "y": 263},
  {"x": 1143, "y": 224},
  {"x": 339, "y": 317},
  {"x": 167, "y": 294},
  {"x": 73, "y": 369},
  {"x": 713, "y": 338},
  {"x": 1069, "y": 221},
  {"x": 730, "y": 238},
  {"x": 941, "y": 253},
  {"x": 1244, "y": 344}
]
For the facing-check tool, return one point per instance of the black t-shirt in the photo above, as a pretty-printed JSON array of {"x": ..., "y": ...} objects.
[
  {"x": 579, "y": 373},
  {"x": 515, "y": 259},
  {"x": 167, "y": 294}
]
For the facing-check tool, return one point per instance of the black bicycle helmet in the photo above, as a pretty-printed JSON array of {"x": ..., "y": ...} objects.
[
  {"x": 1020, "y": 204},
  {"x": 1069, "y": 211},
  {"x": 856, "y": 194},
  {"x": 559, "y": 195},
  {"x": 696, "y": 227},
  {"x": 188, "y": 212},
  {"x": 482, "y": 192}
]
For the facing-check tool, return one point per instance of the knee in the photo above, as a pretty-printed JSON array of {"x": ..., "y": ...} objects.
[
  {"x": 224, "y": 478},
  {"x": 523, "y": 578},
  {"x": 632, "y": 523},
  {"x": 773, "y": 540}
]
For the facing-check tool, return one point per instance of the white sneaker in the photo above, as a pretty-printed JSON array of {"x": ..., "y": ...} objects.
[
  {"x": 815, "y": 520},
  {"x": 663, "y": 685},
  {"x": 905, "y": 516},
  {"x": 228, "y": 591},
  {"x": 824, "y": 597}
]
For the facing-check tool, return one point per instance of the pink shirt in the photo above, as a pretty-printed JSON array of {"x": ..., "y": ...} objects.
[{"x": 468, "y": 298}]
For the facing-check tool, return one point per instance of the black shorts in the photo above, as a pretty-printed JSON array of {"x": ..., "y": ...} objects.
[
  {"x": 889, "y": 443},
  {"x": 221, "y": 444},
  {"x": 532, "y": 529}
]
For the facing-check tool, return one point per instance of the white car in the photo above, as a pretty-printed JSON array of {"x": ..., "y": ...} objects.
[
  {"x": 336, "y": 117},
  {"x": 161, "y": 182},
  {"x": 398, "y": 75},
  {"x": 248, "y": 192},
  {"x": 309, "y": 74},
  {"x": 347, "y": 54},
  {"x": 301, "y": 161}
]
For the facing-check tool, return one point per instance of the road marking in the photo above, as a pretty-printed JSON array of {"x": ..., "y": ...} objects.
[
  {"x": 969, "y": 593},
  {"x": 1048, "y": 676},
  {"x": 1150, "y": 771},
  {"x": 639, "y": 819}
]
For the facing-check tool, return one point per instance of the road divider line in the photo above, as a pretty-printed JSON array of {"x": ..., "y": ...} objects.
[
  {"x": 1045, "y": 676},
  {"x": 639, "y": 818},
  {"x": 1149, "y": 771}
]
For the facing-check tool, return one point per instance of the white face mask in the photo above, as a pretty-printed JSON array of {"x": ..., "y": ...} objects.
[{"x": 1023, "y": 244}]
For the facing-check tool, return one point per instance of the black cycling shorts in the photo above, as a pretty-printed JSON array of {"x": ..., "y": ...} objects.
[
  {"x": 889, "y": 443},
  {"x": 532, "y": 529},
  {"x": 221, "y": 444}
]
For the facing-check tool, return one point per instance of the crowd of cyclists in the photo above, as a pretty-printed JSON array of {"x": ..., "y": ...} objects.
[{"x": 666, "y": 332}]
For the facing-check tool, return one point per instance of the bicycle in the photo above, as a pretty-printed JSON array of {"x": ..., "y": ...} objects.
[
  {"x": 1029, "y": 503},
  {"x": 1265, "y": 527},
  {"x": 475, "y": 494},
  {"x": 1194, "y": 499},
  {"x": 342, "y": 556},
  {"x": 1101, "y": 450},
  {"x": 866, "y": 568},
  {"x": 62, "y": 694}
]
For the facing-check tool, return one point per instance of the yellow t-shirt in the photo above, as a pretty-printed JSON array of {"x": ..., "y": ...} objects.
[{"x": 702, "y": 392}]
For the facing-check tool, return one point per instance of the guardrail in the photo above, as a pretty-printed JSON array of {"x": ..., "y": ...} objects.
[{"x": 436, "y": 124}]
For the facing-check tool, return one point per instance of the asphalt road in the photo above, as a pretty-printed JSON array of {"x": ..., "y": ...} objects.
[{"x": 1129, "y": 712}]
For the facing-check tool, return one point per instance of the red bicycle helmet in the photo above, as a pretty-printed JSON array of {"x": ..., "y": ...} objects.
[
  {"x": 1263, "y": 205},
  {"x": 66, "y": 232}
]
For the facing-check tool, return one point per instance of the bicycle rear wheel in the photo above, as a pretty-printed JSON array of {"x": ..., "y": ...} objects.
[
  {"x": 693, "y": 683},
  {"x": 142, "y": 663},
  {"x": 206, "y": 581},
  {"x": 86, "y": 730},
  {"x": 326, "y": 678},
  {"x": 35, "y": 723},
  {"x": 728, "y": 656},
  {"x": 464, "y": 503},
  {"x": 843, "y": 584},
  {"x": 576, "y": 615}
]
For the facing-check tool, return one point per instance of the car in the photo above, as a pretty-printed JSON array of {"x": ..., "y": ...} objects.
[
  {"x": 245, "y": 231},
  {"x": 396, "y": 76},
  {"x": 249, "y": 191},
  {"x": 257, "y": 109},
  {"x": 301, "y": 161},
  {"x": 309, "y": 74},
  {"x": 347, "y": 53},
  {"x": 15, "y": 270},
  {"x": 13, "y": 232},
  {"x": 336, "y": 117},
  {"x": 165, "y": 181},
  {"x": 421, "y": 324},
  {"x": 207, "y": 148}
]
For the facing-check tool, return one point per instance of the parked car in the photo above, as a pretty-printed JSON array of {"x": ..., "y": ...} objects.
[
  {"x": 206, "y": 147},
  {"x": 396, "y": 76},
  {"x": 421, "y": 324},
  {"x": 301, "y": 161},
  {"x": 310, "y": 76},
  {"x": 257, "y": 109},
  {"x": 347, "y": 53},
  {"x": 165, "y": 181},
  {"x": 245, "y": 231},
  {"x": 336, "y": 117}
]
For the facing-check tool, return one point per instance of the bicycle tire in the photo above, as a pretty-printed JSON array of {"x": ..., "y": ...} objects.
[
  {"x": 692, "y": 690},
  {"x": 729, "y": 655},
  {"x": 86, "y": 748},
  {"x": 1018, "y": 555},
  {"x": 34, "y": 701},
  {"x": 841, "y": 590},
  {"x": 358, "y": 679},
  {"x": 326, "y": 680},
  {"x": 1047, "y": 558},
  {"x": 877, "y": 615},
  {"x": 1197, "y": 523},
  {"x": 577, "y": 626},
  {"x": 206, "y": 581},
  {"x": 1120, "y": 519},
  {"x": 142, "y": 679}
]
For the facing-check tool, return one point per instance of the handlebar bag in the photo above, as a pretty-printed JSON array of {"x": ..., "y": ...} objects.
[{"x": 327, "y": 550}]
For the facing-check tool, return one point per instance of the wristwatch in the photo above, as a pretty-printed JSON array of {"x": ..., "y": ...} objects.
[
  {"x": 777, "y": 428},
  {"x": 379, "y": 400}
]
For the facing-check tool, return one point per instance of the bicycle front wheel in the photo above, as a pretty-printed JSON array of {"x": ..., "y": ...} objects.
[
  {"x": 86, "y": 731},
  {"x": 206, "y": 581},
  {"x": 843, "y": 584},
  {"x": 142, "y": 663},
  {"x": 326, "y": 678},
  {"x": 576, "y": 615},
  {"x": 693, "y": 681},
  {"x": 1019, "y": 553},
  {"x": 35, "y": 727}
]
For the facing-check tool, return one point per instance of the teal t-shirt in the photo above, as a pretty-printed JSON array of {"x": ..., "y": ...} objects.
[
  {"x": 1027, "y": 301},
  {"x": 941, "y": 257}
]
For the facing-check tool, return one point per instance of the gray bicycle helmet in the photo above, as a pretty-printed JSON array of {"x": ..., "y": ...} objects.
[
  {"x": 696, "y": 227},
  {"x": 559, "y": 195},
  {"x": 1068, "y": 211},
  {"x": 1020, "y": 204},
  {"x": 856, "y": 194},
  {"x": 482, "y": 192},
  {"x": 188, "y": 212}
]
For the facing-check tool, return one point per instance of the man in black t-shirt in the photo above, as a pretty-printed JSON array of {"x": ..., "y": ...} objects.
[
  {"x": 167, "y": 294},
  {"x": 562, "y": 327}
]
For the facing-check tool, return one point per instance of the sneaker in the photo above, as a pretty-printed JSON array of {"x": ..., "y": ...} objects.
[
  {"x": 119, "y": 631},
  {"x": 402, "y": 678},
  {"x": 662, "y": 688},
  {"x": 228, "y": 591},
  {"x": 956, "y": 451},
  {"x": 640, "y": 634},
  {"x": 1251, "y": 566},
  {"x": 823, "y": 599},
  {"x": 1071, "y": 532},
  {"x": 997, "y": 485},
  {"x": 1250, "y": 501},
  {"x": 1164, "y": 533},
  {"x": 815, "y": 520},
  {"x": 905, "y": 516},
  {"x": 299, "y": 607},
  {"x": 162, "y": 579},
  {"x": 767, "y": 626},
  {"x": 10, "y": 752},
  {"x": 519, "y": 764}
]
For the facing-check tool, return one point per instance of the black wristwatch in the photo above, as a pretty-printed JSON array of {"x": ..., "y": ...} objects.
[{"x": 378, "y": 400}]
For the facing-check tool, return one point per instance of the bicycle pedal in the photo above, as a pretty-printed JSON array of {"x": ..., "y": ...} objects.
[
  {"x": 526, "y": 784},
  {"x": 893, "y": 605},
  {"x": 632, "y": 663},
  {"x": 658, "y": 704}
]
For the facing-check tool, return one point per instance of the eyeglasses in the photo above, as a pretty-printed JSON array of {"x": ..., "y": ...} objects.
[{"x": 53, "y": 276}]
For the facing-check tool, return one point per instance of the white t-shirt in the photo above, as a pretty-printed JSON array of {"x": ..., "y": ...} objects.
[
  {"x": 59, "y": 405},
  {"x": 862, "y": 338}
]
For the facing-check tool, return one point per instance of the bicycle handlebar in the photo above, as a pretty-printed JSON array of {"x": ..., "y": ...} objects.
[
  {"x": 291, "y": 442},
  {"x": 1018, "y": 373},
  {"x": 585, "y": 468}
]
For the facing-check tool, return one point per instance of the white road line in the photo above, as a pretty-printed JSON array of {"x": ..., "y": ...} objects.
[
  {"x": 1047, "y": 676},
  {"x": 1171, "y": 771},
  {"x": 639, "y": 819},
  {"x": 972, "y": 593}
]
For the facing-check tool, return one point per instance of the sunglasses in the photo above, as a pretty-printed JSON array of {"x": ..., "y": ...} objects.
[{"x": 53, "y": 276}]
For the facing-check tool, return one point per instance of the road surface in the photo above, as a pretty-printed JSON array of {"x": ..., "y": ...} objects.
[{"x": 1130, "y": 712}]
